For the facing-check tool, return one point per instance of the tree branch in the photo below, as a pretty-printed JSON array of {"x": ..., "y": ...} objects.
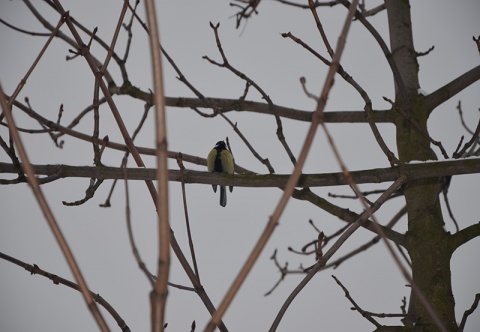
[
  {"x": 465, "y": 235},
  {"x": 451, "y": 89},
  {"x": 227, "y": 105},
  {"x": 377, "y": 175},
  {"x": 469, "y": 312},
  {"x": 158, "y": 295},
  {"x": 347, "y": 215},
  {"x": 34, "y": 269},
  {"x": 334, "y": 248}
]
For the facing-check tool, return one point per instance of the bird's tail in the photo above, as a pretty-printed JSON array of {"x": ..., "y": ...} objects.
[{"x": 223, "y": 196}]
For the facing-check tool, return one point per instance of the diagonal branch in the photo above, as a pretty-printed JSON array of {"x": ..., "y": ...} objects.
[
  {"x": 347, "y": 215},
  {"x": 334, "y": 248},
  {"x": 450, "y": 89},
  {"x": 460, "y": 238},
  {"x": 34, "y": 269},
  {"x": 62, "y": 242},
  {"x": 355, "y": 305}
]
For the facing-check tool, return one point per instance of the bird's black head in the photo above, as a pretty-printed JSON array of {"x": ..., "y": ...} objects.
[{"x": 220, "y": 146}]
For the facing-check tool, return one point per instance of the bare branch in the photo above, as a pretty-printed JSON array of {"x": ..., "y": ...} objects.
[
  {"x": 158, "y": 296},
  {"x": 460, "y": 238},
  {"x": 32, "y": 67},
  {"x": 477, "y": 42},
  {"x": 411, "y": 171},
  {"x": 226, "y": 64},
  {"x": 284, "y": 271},
  {"x": 89, "y": 192},
  {"x": 419, "y": 54},
  {"x": 264, "y": 161},
  {"x": 326, "y": 257},
  {"x": 469, "y": 311},
  {"x": 475, "y": 138},
  {"x": 370, "y": 116},
  {"x": 450, "y": 89},
  {"x": 187, "y": 219},
  {"x": 34, "y": 269},
  {"x": 355, "y": 305},
  {"x": 320, "y": 28},
  {"x": 228, "y": 105},
  {"x": 60, "y": 34},
  {"x": 136, "y": 254}
]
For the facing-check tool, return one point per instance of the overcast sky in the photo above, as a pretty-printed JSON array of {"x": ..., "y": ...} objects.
[{"x": 223, "y": 237}]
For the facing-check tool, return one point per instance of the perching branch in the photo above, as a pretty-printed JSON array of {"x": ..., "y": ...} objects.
[{"x": 412, "y": 171}]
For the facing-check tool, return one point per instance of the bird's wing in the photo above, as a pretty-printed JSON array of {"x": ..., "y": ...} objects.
[
  {"x": 211, "y": 160},
  {"x": 227, "y": 162}
]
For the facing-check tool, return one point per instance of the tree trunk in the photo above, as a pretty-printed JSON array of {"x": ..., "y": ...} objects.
[{"x": 426, "y": 238}]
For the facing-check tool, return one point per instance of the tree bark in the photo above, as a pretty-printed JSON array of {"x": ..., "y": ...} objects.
[{"x": 426, "y": 240}]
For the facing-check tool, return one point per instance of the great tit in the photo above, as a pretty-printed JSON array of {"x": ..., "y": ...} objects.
[{"x": 220, "y": 160}]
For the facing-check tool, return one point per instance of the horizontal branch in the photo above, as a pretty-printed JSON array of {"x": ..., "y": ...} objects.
[
  {"x": 227, "y": 105},
  {"x": 412, "y": 171}
]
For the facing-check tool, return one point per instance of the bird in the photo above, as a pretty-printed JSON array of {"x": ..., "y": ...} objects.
[{"x": 220, "y": 160}]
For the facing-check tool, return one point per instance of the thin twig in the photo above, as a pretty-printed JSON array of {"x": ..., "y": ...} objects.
[
  {"x": 128, "y": 216},
  {"x": 89, "y": 192},
  {"x": 462, "y": 120},
  {"x": 370, "y": 114},
  {"x": 355, "y": 305},
  {"x": 284, "y": 271},
  {"x": 60, "y": 34},
  {"x": 127, "y": 153},
  {"x": 469, "y": 311},
  {"x": 475, "y": 137},
  {"x": 23, "y": 81},
  {"x": 320, "y": 28},
  {"x": 31, "y": 33},
  {"x": 264, "y": 161},
  {"x": 187, "y": 219}
]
